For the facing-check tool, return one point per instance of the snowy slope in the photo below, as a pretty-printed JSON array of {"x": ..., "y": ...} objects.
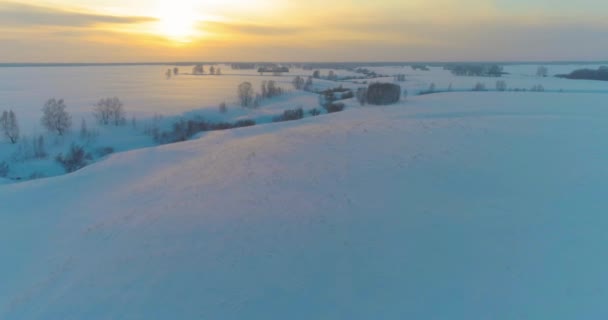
[{"x": 450, "y": 206}]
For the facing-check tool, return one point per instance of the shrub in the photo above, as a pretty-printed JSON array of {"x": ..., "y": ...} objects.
[
  {"x": 334, "y": 107},
  {"x": 244, "y": 123},
  {"x": 75, "y": 159},
  {"x": 383, "y": 93},
  {"x": 289, "y": 115},
  {"x": 479, "y": 87}
]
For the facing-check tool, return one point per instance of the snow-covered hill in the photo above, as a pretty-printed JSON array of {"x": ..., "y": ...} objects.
[{"x": 451, "y": 206}]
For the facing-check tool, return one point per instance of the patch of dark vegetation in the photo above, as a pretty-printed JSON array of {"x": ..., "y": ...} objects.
[
  {"x": 383, "y": 93},
  {"x": 290, "y": 115},
  {"x": 75, "y": 159},
  {"x": 476, "y": 70},
  {"x": 334, "y": 107},
  {"x": 421, "y": 67},
  {"x": 601, "y": 74},
  {"x": 314, "y": 112},
  {"x": 183, "y": 130}
]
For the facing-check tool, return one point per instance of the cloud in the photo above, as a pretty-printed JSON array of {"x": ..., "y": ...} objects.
[
  {"x": 23, "y": 15},
  {"x": 249, "y": 28}
]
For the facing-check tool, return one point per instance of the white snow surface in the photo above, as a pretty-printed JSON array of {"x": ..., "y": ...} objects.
[{"x": 448, "y": 206}]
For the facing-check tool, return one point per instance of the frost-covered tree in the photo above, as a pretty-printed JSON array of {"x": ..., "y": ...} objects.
[
  {"x": 109, "y": 111},
  {"x": 362, "y": 95},
  {"x": 316, "y": 74},
  {"x": 218, "y": 71},
  {"x": 479, "y": 87},
  {"x": 542, "y": 71},
  {"x": 168, "y": 74},
  {"x": 175, "y": 71},
  {"x": 501, "y": 85},
  {"x": 54, "y": 116},
  {"x": 198, "y": 69},
  {"x": 309, "y": 84},
  {"x": 212, "y": 70},
  {"x": 245, "y": 94},
  {"x": 39, "y": 148},
  {"x": 9, "y": 126},
  {"x": 298, "y": 83}
]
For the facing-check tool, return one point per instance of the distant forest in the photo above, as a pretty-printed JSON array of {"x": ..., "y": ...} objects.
[{"x": 588, "y": 74}]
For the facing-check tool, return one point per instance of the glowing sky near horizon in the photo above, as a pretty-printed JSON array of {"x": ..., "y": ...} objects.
[{"x": 312, "y": 30}]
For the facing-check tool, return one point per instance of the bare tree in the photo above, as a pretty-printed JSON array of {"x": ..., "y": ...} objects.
[
  {"x": 175, "y": 71},
  {"x": 55, "y": 118},
  {"x": 212, "y": 70},
  {"x": 109, "y": 111},
  {"x": 245, "y": 94},
  {"x": 9, "y": 126}
]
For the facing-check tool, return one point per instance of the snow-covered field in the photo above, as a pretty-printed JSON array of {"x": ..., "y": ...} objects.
[{"x": 460, "y": 205}]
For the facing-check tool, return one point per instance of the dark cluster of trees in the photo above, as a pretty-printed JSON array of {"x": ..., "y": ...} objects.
[
  {"x": 380, "y": 94},
  {"x": 299, "y": 83},
  {"x": 183, "y": 130},
  {"x": 243, "y": 66},
  {"x": 421, "y": 67},
  {"x": 275, "y": 70},
  {"x": 331, "y": 75},
  {"x": 479, "y": 70},
  {"x": 588, "y": 74},
  {"x": 248, "y": 98}
]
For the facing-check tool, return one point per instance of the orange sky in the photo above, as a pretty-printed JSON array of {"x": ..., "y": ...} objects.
[{"x": 312, "y": 30}]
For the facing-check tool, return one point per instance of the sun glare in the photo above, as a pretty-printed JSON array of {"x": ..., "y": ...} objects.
[{"x": 177, "y": 20}]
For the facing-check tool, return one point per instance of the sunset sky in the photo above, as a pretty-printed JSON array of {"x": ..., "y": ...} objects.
[{"x": 311, "y": 30}]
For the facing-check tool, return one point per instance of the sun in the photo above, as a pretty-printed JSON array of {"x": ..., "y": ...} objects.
[{"x": 178, "y": 20}]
